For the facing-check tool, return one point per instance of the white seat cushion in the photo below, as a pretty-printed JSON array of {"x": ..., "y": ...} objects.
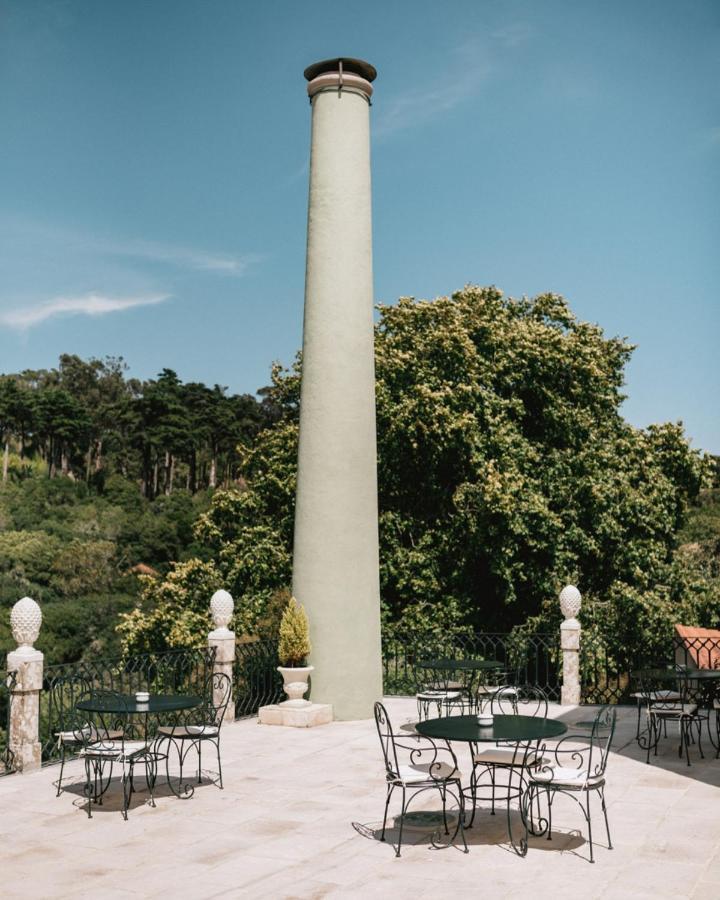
[
  {"x": 422, "y": 772},
  {"x": 670, "y": 710},
  {"x": 189, "y": 731},
  {"x": 439, "y": 695},
  {"x": 564, "y": 777},
  {"x": 656, "y": 695},
  {"x": 506, "y": 756},
  {"x": 486, "y": 690},
  {"x": 88, "y": 733},
  {"x": 116, "y": 749}
]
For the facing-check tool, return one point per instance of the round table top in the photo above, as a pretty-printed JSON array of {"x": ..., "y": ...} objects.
[
  {"x": 504, "y": 728},
  {"x": 676, "y": 674},
  {"x": 126, "y": 703},
  {"x": 458, "y": 664},
  {"x": 702, "y": 674}
]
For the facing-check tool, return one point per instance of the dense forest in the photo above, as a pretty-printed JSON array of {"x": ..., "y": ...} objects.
[
  {"x": 103, "y": 477},
  {"x": 85, "y": 420},
  {"x": 505, "y": 469}
]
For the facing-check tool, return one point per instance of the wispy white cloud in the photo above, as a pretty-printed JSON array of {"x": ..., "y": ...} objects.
[
  {"x": 182, "y": 257},
  {"x": 422, "y": 105},
  {"x": 514, "y": 34},
  {"x": 26, "y": 317},
  {"x": 468, "y": 69},
  {"x": 44, "y": 240}
]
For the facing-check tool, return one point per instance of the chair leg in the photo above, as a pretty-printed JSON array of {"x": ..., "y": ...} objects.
[
  {"x": 550, "y": 800},
  {"x": 685, "y": 727},
  {"x": 492, "y": 777},
  {"x": 473, "y": 790},
  {"x": 589, "y": 824},
  {"x": 62, "y": 766},
  {"x": 150, "y": 764},
  {"x": 607, "y": 825},
  {"x": 391, "y": 788},
  {"x": 220, "y": 781},
  {"x": 443, "y": 794},
  {"x": 461, "y": 814},
  {"x": 199, "y": 749},
  {"x": 699, "y": 730},
  {"x": 88, "y": 788},
  {"x": 126, "y": 783},
  {"x": 402, "y": 820}
]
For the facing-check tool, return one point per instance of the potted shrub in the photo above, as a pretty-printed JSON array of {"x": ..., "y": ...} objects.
[{"x": 293, "y": 650}]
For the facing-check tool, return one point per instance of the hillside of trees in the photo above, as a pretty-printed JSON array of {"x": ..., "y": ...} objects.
[
  {"x": 86, "y": 419},
  {"x": 505, "y": 470},
  {"x": 103, "y": 477}
]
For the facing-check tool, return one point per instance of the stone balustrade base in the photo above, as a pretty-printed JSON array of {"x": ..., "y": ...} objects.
[{"x": 296, "y": 717}]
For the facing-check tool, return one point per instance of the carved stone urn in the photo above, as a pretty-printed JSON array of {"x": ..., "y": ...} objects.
[{"x": 295, "y": 684}]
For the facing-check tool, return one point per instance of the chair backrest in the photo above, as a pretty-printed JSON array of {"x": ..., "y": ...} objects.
[
  {"x": 663, "y": 688},
  {"x": 519, "y": 700},
  {"x": 63, "y": 694},
  {"x": 442, "y": 678},
  {"x": 416, "y": 750},
  {"x": 217, "y": 696},
  {"x": 113, "y": 718},
  {"x": 601, "y": 738},
  {"x": 586, "y": 753},
  {"x": 387, "y": 739}
]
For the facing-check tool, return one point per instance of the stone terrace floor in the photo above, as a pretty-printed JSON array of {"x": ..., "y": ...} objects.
[{"x": 283, "y": 828}]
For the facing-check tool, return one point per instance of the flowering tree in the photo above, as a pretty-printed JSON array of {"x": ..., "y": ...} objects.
[{"x": 505, "y": 468}]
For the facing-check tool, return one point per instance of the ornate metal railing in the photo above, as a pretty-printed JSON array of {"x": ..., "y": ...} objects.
[
  {"x": 697, "y": 652},
  {"x": 7, "y": 757},
  {"x": 171, "y": 672},
  {"x": 603, "y": 677},
  {"x": 532, "y": 658},
  {"x": 256, "y": 681},
  {"x": 608, "y": 679}
]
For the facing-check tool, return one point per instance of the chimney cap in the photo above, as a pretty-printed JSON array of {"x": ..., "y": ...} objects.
[{"x": 356, "y": 66}]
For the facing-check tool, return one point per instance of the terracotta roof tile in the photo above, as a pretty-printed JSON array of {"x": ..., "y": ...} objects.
[{"x": 701, "y": 646}]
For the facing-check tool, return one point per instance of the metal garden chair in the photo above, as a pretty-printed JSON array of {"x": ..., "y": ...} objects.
[
  {"x": 414, "y": 765},
  {"x": 576, "y": 767},
  {"x": 199, "y": 726},
  {"x": 678, "y": 705},
  {"x": 508, "y": 700},
  {"x": 102, "y": 751},
  {"x": 440, "y": 693},
  {"x": 74, "y": 726}
]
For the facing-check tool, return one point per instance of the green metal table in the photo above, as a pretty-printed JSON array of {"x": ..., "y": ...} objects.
[
  {"x": 472, "y": 668},
  {"x": 126, "y": 703},
  {"x": 156, "y": 704},
  {"x": 526, "y": 732}
]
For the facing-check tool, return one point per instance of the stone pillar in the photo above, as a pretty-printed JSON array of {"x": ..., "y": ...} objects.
[
  {"x": 24, "y": 736},
  {"x": 570, "y": 600},
  {"x": 223, "y": 640},
  {"x": 335, "y": 562}
]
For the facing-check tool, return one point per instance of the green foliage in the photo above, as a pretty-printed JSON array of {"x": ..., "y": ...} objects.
[
  {"x": 505, "y": 470},
  {"x": 294, "y": 641},
  {"x": 86, "y": 420},
  {"x": 174, "y": 611},
  {"x": 74, "y": 549}
]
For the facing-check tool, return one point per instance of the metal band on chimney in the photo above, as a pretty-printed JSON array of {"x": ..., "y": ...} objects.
[{"x": 342, "y": 74}]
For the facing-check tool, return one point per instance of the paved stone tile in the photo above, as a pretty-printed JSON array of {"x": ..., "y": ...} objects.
[{"x": 283, "y": 827}]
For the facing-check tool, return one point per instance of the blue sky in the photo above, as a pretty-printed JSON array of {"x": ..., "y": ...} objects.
[{"x": 153, "y": 176}]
